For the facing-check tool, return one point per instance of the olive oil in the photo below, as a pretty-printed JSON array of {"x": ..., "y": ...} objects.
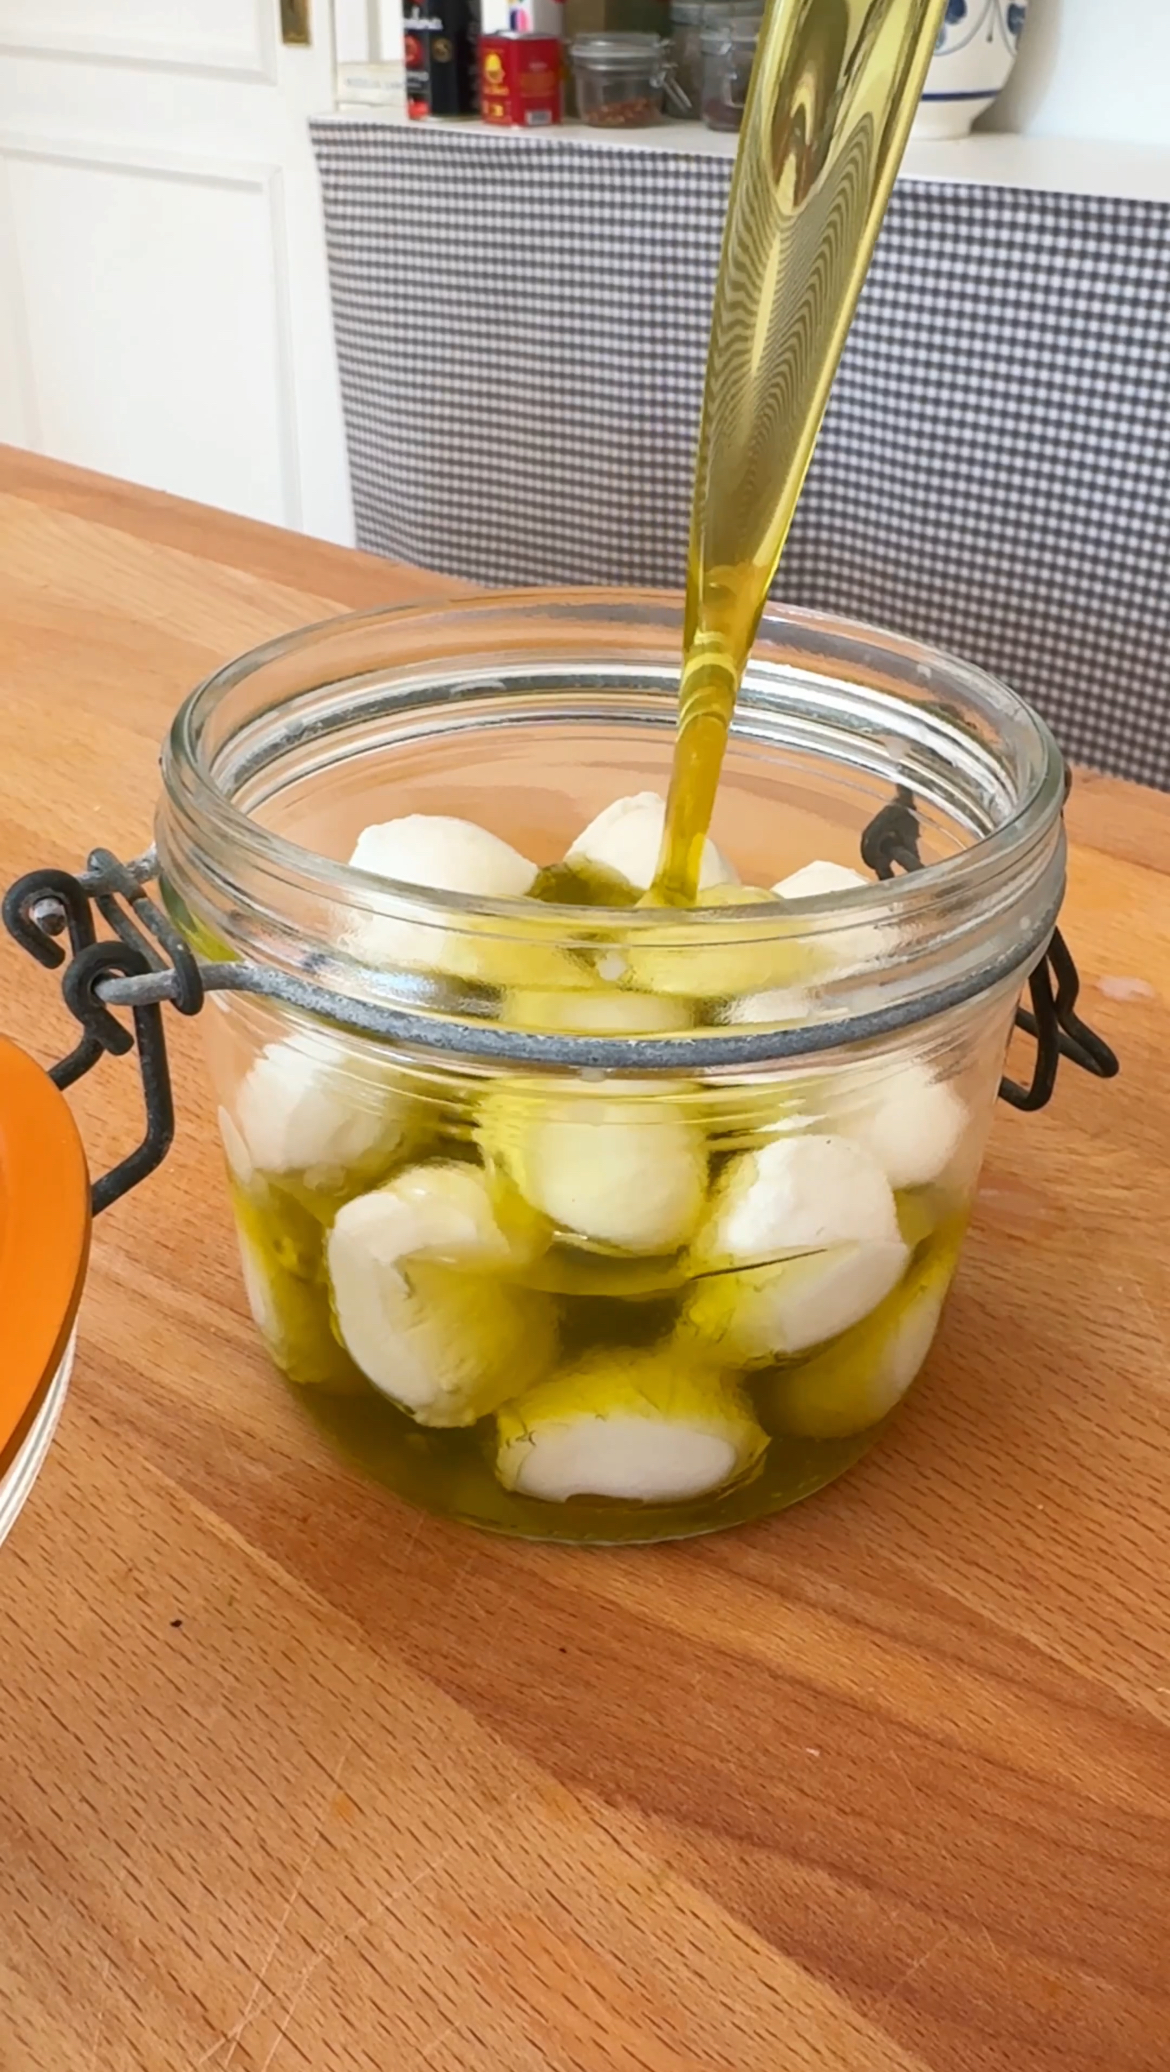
[
  {"x": 833, "y": 95},
  {"x": 817, "y": 1411}
]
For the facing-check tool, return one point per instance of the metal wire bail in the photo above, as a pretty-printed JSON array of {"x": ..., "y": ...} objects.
[
  {"x": 890, "y": 839},
  {"x": 147, "y": 963}
]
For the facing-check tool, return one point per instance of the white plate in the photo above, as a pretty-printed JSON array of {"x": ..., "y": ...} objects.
[{"x": 16, "y": 1484}]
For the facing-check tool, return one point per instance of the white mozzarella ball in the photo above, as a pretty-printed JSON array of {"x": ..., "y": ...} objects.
[
  {"x": 854, "y": 945},
  {"x": 765, "y": 1313},
  {"x": 812, "y": 1224},
  {"x": 438, "y": 853},
  {"x": 778, "y": 1007},
  {"x": 910, "y": 1121},
  {"x": 444, "y": 855},
  {"x": 290, "y": 1312},
  {"x": 239, "y": 1158},
  {"x": 796, "y": 1194},
  {"x": 618, "y": 1165},
  {"x": 813, "y": 880},
  {"x": 596, "y": 1011},
  {"x": 310, "y": 1105},
  {"x": 625, "y": 840},
  {"x": 640, "y": 1427},
  {"x": 417, "y": 1306},
  {"x": 683, "y": 961},
  {"x": 259, "y": 1289}
]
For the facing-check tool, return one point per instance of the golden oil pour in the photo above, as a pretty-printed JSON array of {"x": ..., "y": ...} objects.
[{"x": 834, "y": 91}]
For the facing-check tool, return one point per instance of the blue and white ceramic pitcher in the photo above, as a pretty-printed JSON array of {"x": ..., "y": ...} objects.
[{"x": 976, "y": 50}]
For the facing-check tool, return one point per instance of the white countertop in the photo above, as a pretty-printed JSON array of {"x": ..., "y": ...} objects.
[{"x": 988, "y": 159}]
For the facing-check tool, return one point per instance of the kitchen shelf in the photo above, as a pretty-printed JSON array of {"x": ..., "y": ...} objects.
[{"x": 990, "y": 159}]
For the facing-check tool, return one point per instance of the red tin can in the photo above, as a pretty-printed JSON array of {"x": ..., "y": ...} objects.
[{"x": 520, "y": 80}]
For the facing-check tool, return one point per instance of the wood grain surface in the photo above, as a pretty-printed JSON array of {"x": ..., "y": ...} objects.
[{"x": 293, "y": 1777}]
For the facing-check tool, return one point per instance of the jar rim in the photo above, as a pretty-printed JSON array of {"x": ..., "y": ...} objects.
[
  {"x": 689, "y": 13},
  {"x": 627, "y": 42},
  {"x": 738, "y": 32},
  {"x": 198, "y": 815},
  {"x": 629, "y": 51}
]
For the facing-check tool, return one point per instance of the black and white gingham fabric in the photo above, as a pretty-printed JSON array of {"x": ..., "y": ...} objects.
[{"x": 521, "y": 326}]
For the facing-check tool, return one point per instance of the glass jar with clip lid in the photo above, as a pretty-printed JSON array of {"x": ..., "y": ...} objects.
[{"x": 566, "y": 1215}]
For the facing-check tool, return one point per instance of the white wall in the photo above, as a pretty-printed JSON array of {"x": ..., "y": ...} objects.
[{"x": 1091, "y": 68}]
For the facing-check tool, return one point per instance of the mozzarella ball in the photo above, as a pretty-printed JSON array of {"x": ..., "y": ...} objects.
[
  {"x": 814, "y": 880},
  {"x": 617, "y": 1165},
  {"x": 796, "y": 1194},
  {"x": 444, "y": 855},
  {"x": 440, "y": 854},
  {"x": 748, "y": 959},
  {"x": 241, "y": 1165},
  {"x": 280, "y": 1256},
  {"x": 598, "y": 1010},
  {"x": 812, "y": 1224},
  {"x": 857, "y": 944},
  {"x": 412, "y": 1268},
  {"x": 911, "y": 1122},
  {"x": 625, "y": 841},
  {"x": 780, "y": 1007},
  {"x": 854, "y": 1383},
  {"x": 765, "y": 1313},
  {"x": 639, "y": 1427},
  {"x": 309, "y": 1104}
]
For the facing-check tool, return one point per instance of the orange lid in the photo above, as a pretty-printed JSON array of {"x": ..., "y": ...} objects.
[{"x": 44, "y": 1238}]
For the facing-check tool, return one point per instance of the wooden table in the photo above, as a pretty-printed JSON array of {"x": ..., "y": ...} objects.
[{"x": 291, "y": 1777}]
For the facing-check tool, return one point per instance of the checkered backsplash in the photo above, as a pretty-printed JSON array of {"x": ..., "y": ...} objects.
[{"x": 521, "y": 326}]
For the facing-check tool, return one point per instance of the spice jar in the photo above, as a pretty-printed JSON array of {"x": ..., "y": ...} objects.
[
  {"x": 563, "y": 1215},
  {"x": 620, "y": 79},
  {"x": 728, "y": 52}
]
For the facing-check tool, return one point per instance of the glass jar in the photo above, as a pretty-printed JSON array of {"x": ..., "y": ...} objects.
[
  {"x": 688, "y": 18},
  {"x": 686, "y": 21},
  {"x": 620, "y": 79},
  {"x": 728, "y": 52},
  {"x": 567, "y": 1216}
]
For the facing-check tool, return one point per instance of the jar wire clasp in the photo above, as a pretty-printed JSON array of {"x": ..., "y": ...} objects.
[
  {"x": 48, "y": 903},
  {"x": 891, "y": 842}
]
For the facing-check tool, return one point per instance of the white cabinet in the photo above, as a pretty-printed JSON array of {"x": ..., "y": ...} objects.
[{"x": 164, "y": 302}]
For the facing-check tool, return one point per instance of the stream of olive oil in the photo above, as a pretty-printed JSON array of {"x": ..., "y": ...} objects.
[{"x": 833, "y": 94}]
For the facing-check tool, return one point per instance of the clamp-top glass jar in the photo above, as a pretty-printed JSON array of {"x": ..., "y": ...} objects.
[
  {"x": 686, "y": 21},
  {"x": 727, "y": 51},
  {"x": 621, "y": 78},
  {"x": 570, "y": 1217}
]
